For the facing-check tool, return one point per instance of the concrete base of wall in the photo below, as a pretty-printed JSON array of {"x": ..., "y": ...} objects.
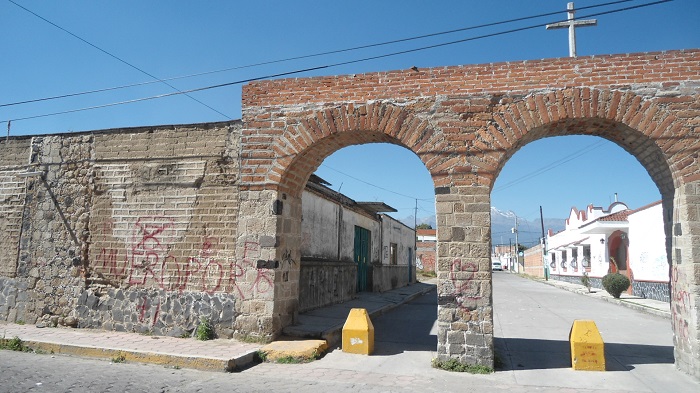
[
  {"x": 643, "y": 289},
  {"x": 388, "y": 277},
  {"x": 322, "y": 283}
]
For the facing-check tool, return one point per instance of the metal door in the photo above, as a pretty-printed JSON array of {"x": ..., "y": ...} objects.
[{"x": 362, "y": 238}]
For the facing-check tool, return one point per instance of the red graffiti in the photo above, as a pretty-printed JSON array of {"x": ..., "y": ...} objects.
[
  {"x": 110, "y": 263},
  {"x": 147, "y": 253},
  {"x": 262, "y": 282},
  {"x": 148, "y": 259},
  {"x": 466, "y": 289},
  {"x": 146, "y": 306}
]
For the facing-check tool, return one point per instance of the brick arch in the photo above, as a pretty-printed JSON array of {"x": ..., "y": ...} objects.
[
  {"x": 646, "y": 130},
  {"x": 310, "y": 137}
]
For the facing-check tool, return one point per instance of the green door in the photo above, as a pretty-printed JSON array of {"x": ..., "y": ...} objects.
[{"x": 362, "y": 256}]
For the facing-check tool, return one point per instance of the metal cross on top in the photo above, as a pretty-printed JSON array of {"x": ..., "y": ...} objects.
[{"x": 572, "y": 24}]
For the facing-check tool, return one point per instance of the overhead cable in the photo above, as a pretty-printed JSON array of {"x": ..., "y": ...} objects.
[
  {"x": 332, "y": 65},
  {"x": 300, "y": 57}
]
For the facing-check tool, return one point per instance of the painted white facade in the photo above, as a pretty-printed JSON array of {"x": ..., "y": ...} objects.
[
  {"x": 647, "y": 245},
  {"x": 395, "y": 232},
  {"x": 328, "y": 230},
  {"x": 634, "y": 239}
]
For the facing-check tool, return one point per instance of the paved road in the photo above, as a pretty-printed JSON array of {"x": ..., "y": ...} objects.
[{"x": 531, "y": 336}]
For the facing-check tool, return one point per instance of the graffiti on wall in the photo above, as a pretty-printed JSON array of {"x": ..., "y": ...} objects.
[
  {"x": 680, "y": 308},
  {"x": 465, "y": 287},
  {"x": 147, "y": 260}
]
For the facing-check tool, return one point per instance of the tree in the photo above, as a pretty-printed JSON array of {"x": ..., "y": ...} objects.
[{"x": 424, "y": 226}]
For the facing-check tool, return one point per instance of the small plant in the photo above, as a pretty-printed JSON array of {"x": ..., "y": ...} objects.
[
  {"x": 261, "y": 356},
  {"x": 289, "y": 360},
  {"x": 121, "y": 358},
  {"x": 204, "y": 330},
  {"x": 20, "y": 322},
  {"x": 14, "y": 344},
  {"x": 615, "y": 284},
  {"x": 586, "y": 281},
  {"x": 456, "y": 366}
]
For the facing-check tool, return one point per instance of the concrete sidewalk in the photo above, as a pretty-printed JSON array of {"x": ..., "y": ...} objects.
[
  {"x": 327, "y": 323},
  {"x": 215, "y": 355},
  {"x": 650, "y": 306}
]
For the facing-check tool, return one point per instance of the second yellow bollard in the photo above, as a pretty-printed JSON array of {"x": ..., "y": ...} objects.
[
  {"x": 587, "y": 347},
  {"x": 358, "y": 333}
]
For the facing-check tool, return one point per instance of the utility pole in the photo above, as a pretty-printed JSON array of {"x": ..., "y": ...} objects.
[
  {"x": 572, "y": 24},
  {"x": 545, "y": 267},
  {"x": 517, "y": 246},
  {"x": 510, "y": 252}
]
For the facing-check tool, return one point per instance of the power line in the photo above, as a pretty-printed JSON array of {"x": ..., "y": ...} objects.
[
  {"x": 367, "y": 46},
  {"x": 374, "y": 185},
  {"x": 116, "y": 57},
  {"x": 550, "y": 166},
  {"x": 336, "y": 64}
]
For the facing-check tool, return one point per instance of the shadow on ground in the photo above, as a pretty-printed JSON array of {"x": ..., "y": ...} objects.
[{"x": 537, "y": 354}]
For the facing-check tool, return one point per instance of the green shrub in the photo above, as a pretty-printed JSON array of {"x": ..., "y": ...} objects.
[
  {"x": 615, "y": 284},
  {"x": 204, "y": 330},
  {"x": 14, "y": 344}
]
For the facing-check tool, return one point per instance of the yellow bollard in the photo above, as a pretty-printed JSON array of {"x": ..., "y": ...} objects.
[
  {"x": 358, "y": 333},
  {"x": 587, "y": 347}
]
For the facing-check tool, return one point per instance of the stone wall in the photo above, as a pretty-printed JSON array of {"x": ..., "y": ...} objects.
[
  {"x": 133, "y": 229},
  {"x": 13, "y": 161}
]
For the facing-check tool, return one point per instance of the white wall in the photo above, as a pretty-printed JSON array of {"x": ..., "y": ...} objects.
[
  {"x": 404, "y": 237},
  {"x": 319, "y": 227},
  {"x": 647, "y": 250}
]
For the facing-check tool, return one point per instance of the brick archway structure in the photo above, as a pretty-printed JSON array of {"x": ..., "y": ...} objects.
[{"x": 464, "y": 123}]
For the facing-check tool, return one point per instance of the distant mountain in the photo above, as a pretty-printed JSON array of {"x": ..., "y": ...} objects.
[
  {"x": 529, "y": 232},
  {"x": 409, "y": 221}
]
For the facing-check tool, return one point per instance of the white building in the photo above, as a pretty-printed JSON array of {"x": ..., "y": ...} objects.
[
  {"x": 593, "y": 238},
  {"x": 349, "y": 247}
]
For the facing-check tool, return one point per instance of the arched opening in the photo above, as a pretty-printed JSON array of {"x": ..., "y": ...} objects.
[
  {"x": 359, "y": 212},
  {"x": 578, "y": 179}
]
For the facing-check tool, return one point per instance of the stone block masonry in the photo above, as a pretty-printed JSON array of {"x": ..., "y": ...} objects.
[{"x": 132, "y": 230}]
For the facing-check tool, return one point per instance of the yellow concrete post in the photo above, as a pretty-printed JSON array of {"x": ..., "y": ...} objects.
[
  {"x": 587, "y": 347},
  {"x": 358, "y": 333}
]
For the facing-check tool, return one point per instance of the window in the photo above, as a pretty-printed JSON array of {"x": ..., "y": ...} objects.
[
  {"x": 393, "y": 253},
  {"x": 574, "y": 258},
  {"x": 586, "y": 261}
]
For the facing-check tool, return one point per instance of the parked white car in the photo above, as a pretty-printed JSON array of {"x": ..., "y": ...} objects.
[{"x": 496, "y": 265}]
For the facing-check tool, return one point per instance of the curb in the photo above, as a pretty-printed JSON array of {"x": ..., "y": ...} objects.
[
  {"x": 621, "y": 302},
  {"x": 164, "y": 359}
]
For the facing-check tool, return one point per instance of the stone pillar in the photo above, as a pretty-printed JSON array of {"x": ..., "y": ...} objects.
[
  {"x": 465, "y": 317},
  {"x": 269, "y": 228},
  {"x": 685, "y": 278}
]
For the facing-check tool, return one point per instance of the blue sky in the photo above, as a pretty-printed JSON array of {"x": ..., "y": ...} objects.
[{"x": 175, "y": 38}]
